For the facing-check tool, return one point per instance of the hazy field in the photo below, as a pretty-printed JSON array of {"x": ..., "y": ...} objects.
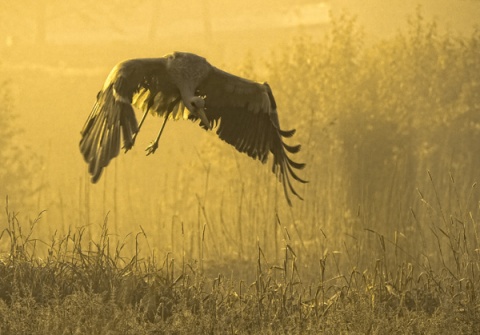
[{"x": 198, "y": 238}]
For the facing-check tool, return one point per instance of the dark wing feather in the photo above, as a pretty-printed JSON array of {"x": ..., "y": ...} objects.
[
  {"x": 143, "y": 83},
  {"x": 245, "y": 113}
]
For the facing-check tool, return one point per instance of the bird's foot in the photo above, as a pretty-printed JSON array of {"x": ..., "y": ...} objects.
[{"x": 152, "y": 148}]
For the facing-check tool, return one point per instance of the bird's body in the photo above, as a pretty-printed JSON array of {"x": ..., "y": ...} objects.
[{"x": 184, "y": 85}]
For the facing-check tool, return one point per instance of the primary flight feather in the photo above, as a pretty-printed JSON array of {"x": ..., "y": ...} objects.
[{"x": 184, "y": 85}]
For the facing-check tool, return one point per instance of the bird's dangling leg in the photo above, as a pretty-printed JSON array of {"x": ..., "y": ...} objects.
[
  {"x": 154, "y": 145},
  {"x": 138, "y": 130}
]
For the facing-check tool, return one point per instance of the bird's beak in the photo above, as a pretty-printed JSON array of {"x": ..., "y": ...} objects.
[{"x": 203, "y": 117}]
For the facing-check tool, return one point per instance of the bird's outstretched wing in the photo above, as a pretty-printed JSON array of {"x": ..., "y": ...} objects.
[
  {"x": 245, "y": 114},
  {"x": 143, "y": 83}
]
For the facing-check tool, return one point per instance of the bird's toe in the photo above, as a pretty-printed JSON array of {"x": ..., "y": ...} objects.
[{"x": 151, "y": 148}]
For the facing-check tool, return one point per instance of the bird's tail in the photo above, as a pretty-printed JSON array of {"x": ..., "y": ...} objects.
[{"x": 100, "y": 141}]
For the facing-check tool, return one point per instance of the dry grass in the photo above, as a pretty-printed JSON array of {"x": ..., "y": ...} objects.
[{"x": 76, "y": 285}]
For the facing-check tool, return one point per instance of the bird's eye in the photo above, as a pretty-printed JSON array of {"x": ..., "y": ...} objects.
[{"x": 193, "y": 104}]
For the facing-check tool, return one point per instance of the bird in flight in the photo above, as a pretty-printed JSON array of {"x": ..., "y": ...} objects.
[{"x": 184, "y": 85}]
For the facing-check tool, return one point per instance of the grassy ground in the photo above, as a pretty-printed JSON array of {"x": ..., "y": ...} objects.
[{"x": 81, "y": 286}]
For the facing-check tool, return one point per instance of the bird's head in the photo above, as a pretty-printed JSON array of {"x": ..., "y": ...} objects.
[{"x": 196, "y": 105}]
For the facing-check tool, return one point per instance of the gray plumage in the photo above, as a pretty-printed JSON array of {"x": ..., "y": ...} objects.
[{"x": 184, "y": 85}]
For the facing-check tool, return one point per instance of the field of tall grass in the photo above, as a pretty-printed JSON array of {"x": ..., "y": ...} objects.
[{"x": 386, "y": 240}]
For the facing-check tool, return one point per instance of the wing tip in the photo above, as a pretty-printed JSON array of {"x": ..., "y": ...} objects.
[
  {"x": 287, "y": 133},
  {"x": 109, "y": 120},
  {"x": 96, "y": 177},
  {"x": 284, "y": 167}
]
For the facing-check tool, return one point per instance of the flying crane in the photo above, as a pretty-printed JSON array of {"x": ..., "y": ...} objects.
[{"x": 184, "y": 85}]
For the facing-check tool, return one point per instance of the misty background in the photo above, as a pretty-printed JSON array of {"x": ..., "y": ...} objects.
[{"x": 379, "y": 92}]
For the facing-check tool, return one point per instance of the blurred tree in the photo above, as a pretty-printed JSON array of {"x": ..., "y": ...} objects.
[
  {"x": 20, "y": 167},
  {"x": 385, "y": 18},
  {"x": 31, "y": 20},
  {"x": 378, "y": 115},
  {"x": 41, "y": 21}
]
